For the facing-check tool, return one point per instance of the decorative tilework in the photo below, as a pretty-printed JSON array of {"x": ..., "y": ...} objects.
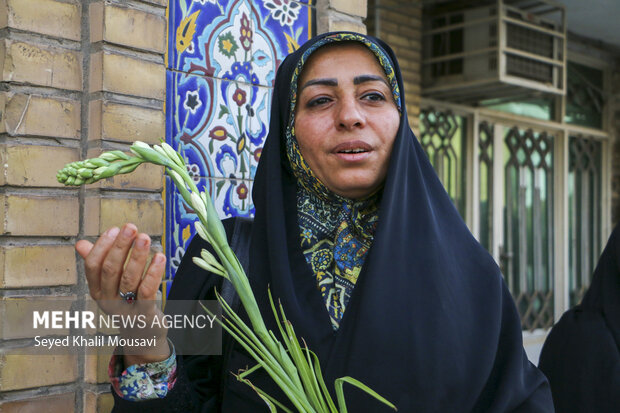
[
  {"x": 259, "y": 125},
  {"x": 222, "y": 60},
  {"x": 210, "y": 118},
  {"x": 281, "y": 27}
]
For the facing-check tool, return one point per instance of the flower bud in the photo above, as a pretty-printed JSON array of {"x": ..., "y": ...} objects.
[
  {"x": 210, "y": 259},
  {"x": 98, "y": 162},
  {"x": 112, "y": 156},
  {"x": 201, "y": 231},
  {"x": 147, "y": 153},
  {"x": 198, "y": 206},
  {"x": 85, "y": 173},
  {"x": 172, "y": 154}
]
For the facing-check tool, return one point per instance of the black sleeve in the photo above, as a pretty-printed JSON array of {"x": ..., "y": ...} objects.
[
  {"x": 515, "y": 385},
  {"x": 197, "y": 388},
  {"x": 582, "y": 362}
]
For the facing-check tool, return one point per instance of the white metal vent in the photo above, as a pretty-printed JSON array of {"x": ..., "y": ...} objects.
[{"x": 502, "y": 48}]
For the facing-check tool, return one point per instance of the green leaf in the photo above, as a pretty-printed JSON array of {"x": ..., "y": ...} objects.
[
  {"x": 271, "y": 402},
  {"x": 340, "y": 393},
  {"x": 223, "y": 111},
  {"x": 319, "y": 375},
  {"x": 218, "y": 186}
]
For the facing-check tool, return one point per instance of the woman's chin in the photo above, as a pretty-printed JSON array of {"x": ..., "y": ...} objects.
[{"x": 354, "y": 189}]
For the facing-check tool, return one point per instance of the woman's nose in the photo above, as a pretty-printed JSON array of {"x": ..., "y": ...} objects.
[{"x": 349, "y": 114}]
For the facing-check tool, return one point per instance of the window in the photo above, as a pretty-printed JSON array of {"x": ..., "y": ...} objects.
[{"x": 529, "y": 186}]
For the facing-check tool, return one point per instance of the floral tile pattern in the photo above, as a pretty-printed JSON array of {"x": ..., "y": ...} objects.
[
  {"x": 281, "y": 26},
  {"x": 222, "y": 60},
  {"x": 211, "y": 120}
]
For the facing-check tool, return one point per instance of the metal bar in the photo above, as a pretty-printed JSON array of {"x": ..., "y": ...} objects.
[
  {"x": 498, "y": 186},
  {"x": 585, "y": 233},
  {"x": 533, "y": 56},
  {"x": 550, "y": 250},
  {"x": 560, "y": 225},
  {"x": 501, "y": 41},
  {"x": 574, "y": 245},
  {"x": 522, "y": 224},
  {"x": 472, "y": 175},
  {"x": 517, "y": 22},
  {"x": 596, "y": 216},
  {"x": 532, "y": 84},
  {"x": 537, "y": 228},
  {"x": 457, "y": 26}
]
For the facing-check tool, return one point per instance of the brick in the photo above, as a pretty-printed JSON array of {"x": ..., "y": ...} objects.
[
  {"x": 62, "y": 403},
  {"x": 47, "y": 17},
  {"x": 127, "y": 27},
  {"x": 336, "y": 25},
  {"x": 39, "y": 116},
  {"x": 127, "y": 75},
  {"x": 16, "y": 320},
  {"x": 40, "y": 215},
  {"x": 37, "y": 266},
  {"x": 18, "y": 371},
  {"x": 396, "y": 17},
  {"x": 125, "y": 123},
  {"x": 98, "y": 403},
  {"x": 40, "y": 65},
  {"x": 396, "y": 40},
  {"x": 33, "y": 165},
  {"x": 103, "y": 213},
  {"x": 147, "y": 177},
  {"x": 352, "y": 7},
  {"x": 96, "y": 368}
]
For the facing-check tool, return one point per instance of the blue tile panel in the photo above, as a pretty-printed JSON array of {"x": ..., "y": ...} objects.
[{"x": 222, "y": 60}]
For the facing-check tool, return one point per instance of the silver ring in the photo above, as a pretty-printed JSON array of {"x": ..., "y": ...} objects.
[{"x": 129, "y": 296}]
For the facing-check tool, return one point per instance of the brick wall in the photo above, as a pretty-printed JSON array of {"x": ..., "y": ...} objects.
[
  {"x": 399, "y": 24},
  {"x": 78, "y": 77}
]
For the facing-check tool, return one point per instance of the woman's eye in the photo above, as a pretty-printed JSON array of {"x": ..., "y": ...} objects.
[
  {"x": 374, "y": 97},
  {"x": 318, "y": 101}
]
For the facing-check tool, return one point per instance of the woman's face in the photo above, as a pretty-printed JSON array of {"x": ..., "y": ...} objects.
[{"x": 346, "y": 119}]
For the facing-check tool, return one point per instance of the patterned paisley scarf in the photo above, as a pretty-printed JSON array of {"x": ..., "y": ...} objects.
[{"x": 336, "y": 232}]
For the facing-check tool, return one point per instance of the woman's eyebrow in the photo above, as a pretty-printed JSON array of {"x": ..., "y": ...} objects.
[
  {"x": 369, "y": 78},
  {"x": 324, "y": 82}
]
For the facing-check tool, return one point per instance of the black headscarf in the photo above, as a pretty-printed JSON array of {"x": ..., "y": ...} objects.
[
  {"x": 581, "y": 356},
  {"x": 430, "y": 324}
]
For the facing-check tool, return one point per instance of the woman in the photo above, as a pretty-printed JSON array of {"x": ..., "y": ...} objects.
[
  {"x": 357, "y": 238},
  {"x": 581, "y": 356}
]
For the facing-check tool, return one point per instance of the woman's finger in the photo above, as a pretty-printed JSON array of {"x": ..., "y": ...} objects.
[
  {"x": 113, "y": 264},
  {"x": 135, "y": 266},
  {"x": 152, "y": 279},
  {"x": 83, "y": 247},
  {"x": 93, "y": 258}
]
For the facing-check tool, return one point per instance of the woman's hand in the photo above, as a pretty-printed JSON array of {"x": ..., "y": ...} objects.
[{"x": 116, "y": 263}]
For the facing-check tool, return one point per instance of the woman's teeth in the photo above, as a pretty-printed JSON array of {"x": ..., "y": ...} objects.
[{"x": 353, "y": 151}]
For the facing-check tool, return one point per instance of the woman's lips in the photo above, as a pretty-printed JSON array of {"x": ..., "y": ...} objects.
[{"x": 352, "y": 151}]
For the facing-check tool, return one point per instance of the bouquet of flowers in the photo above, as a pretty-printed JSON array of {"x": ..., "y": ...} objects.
[{"x": 292, "y": 366}]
